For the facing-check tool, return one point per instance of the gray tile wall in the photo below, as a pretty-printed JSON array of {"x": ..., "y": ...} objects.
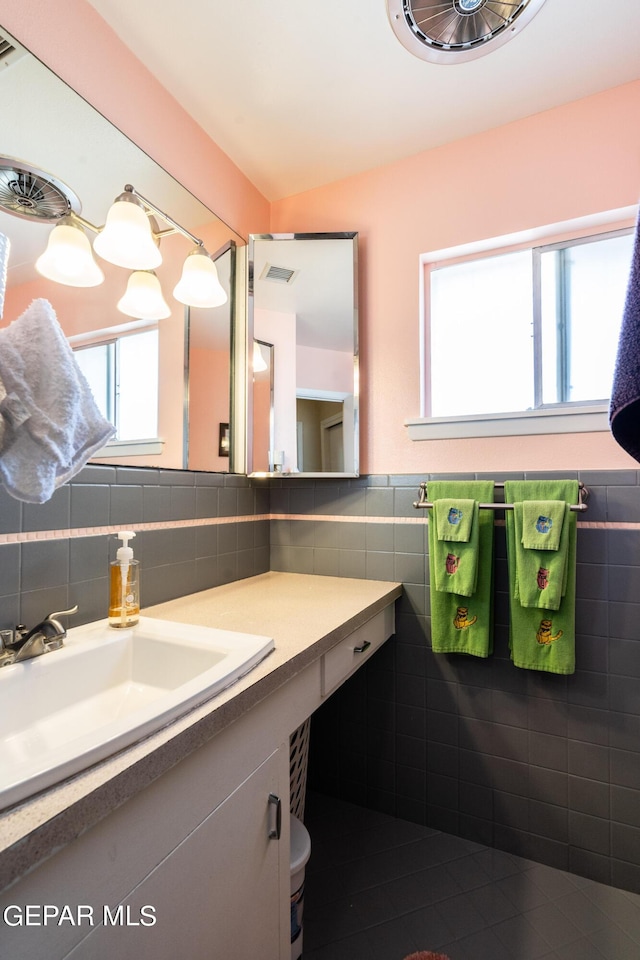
[
  {"x": 541, "y": 765},
  {"x": 40, "y": 576}
]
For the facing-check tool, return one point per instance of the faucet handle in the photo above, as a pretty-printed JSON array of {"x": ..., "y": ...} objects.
[
  {"x": 52, "y": 618},
  {"x": 61, "y": 613}
]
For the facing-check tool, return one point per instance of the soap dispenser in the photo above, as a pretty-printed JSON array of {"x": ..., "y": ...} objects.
[{"x": 124, "y": 598}]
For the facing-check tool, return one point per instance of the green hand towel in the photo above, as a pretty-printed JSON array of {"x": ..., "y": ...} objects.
[
  {"x": 542, "y": 639},
  {"x": 461, "y": 624},
  {"x": 542, "y": 524},
  {"x": 455, "y": 562},
  {"x": 454, "y": 519},
  {"x": 541, "y": 575}
]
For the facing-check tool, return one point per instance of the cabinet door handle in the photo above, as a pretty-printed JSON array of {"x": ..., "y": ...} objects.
[
  {"x": 275, "y": 817},
  {"x": 362, "y": 647}
]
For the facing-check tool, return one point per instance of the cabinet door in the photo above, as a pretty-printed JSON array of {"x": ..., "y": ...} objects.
[{"x": 222, "y": 894}]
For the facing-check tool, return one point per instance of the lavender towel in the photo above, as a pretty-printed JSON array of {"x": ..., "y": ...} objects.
[
  {"x": 51, "y": 420},
  {"x": 624, "y": 409}
]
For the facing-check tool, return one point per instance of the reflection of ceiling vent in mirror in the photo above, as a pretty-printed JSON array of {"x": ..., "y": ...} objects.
[
  {"x": 452, "y": 31},
  {"x": 33, "y": 194},
  {"x": 10, "y": 51},
  {"x": 278, "y": 274}
]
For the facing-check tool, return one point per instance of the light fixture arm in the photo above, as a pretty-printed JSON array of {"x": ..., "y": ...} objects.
[{"x": 165, "y": 216}]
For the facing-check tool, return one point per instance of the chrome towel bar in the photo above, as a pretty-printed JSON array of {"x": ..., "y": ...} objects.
[{"x": 581, "y": 506}]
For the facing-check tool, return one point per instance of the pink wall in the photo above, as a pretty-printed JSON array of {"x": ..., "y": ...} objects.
[
  {"x": 208, "y": 407},
  {"x": 570, "y": 162}
]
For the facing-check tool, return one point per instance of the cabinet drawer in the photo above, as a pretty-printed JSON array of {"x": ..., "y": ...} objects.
[{"x": 348, "y": 655}]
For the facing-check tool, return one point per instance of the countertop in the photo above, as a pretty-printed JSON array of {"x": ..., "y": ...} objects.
[{"x": 305, "y": 614}]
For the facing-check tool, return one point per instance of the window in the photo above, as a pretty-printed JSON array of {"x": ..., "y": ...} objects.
[
  {"x": 529, "y": 329},
  {"x": 123, "y": 376}
]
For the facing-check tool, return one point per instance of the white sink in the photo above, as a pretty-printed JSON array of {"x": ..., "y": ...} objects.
[{"x": 105, "y": 689}]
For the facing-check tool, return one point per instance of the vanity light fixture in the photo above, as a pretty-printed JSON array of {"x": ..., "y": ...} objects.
[
  {"x": 259, "y": 362},
  {"x": 143, "y": 297},
  {"x": 127, "y": 239},
  {"x": 130, "y": 238},
  {"x": 68, "y": 258},
  {"x": 199, "y": 285}
]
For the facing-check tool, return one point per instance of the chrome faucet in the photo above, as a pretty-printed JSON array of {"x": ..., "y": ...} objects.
[{"x": 22, "y": 644}]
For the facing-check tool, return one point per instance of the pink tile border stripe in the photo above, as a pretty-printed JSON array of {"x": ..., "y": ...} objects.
[{"x": 105, "y": 531}]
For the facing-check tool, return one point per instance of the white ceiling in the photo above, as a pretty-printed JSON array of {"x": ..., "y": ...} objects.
[{"x": 302, "y": 93}]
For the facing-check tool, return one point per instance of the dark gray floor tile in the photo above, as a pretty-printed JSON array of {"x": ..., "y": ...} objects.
[
  {"x": 582, "y": 912},
  {"x": 523, "y": 892},
  {"x": 479, "y": 946},
  {"x": 521, "y": 939},
  {"x": 554, "y": 883},
  {"x": 428, "y": 928},
  {"x": 377, "y": 888},
  {"x": 492, "y": 904},
  {"x": 468, "y": 873},
  {"x": 556, "y": 929},
  {"x": 461, "y": 916},
  {"x": 614, "y": 944},
  {"x": 421, "y": 889},
  {"x": 581, "y": 949},
  {"x": 497, "y": 864}
]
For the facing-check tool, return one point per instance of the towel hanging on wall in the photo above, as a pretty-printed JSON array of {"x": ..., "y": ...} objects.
[
  {"x": 540, "y": 637},
  {"x": 624, "y": 409},
  {"x": 462, "y": 623},
  {"x": 52, "y": 423}
]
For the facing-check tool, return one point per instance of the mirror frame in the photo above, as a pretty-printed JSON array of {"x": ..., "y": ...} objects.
[{"x": 341, "y": 235}]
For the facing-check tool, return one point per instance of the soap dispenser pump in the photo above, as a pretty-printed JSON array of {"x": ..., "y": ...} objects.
[{"x": 124, "y": 598}]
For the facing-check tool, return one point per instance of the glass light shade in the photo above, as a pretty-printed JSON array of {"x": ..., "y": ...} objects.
[
  {"x": 199, "y": 285},
  {"x": 68, "y": 258},
  {"x": 127, "y": 239},
  {"x": 259, "y": 362},
  {"x": 143, "y": 297}
]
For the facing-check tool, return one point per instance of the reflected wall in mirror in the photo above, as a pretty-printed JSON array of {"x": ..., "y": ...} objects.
[
  {"x": 263, "y": 438},
  {"x": 208, "y": 381},
  {"x": 75, "y": 145},
  {"x": 303, "y": 301}
]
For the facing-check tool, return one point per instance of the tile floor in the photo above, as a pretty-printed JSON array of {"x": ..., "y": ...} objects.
[{"x": 378, "y": 888}]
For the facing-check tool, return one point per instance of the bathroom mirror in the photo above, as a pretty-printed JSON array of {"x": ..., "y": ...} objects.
[
  {"x": 303, "y": 303},
  {"x": 93, "y": 161}
]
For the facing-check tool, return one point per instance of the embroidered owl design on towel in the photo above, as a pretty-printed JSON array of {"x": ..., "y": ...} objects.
[
  {"x": 542, "y": 578},
  {"x": 544, "y": 635},
  {"x": 462, "y": 619},
  {"x": 544, "y": 524},
  {"x": 452, "y": 563},
  {"x": 454, "y": 516}
]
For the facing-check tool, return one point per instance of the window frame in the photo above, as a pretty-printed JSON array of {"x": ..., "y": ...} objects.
[
  {"x": 109, "y": 338},
  {"x": 567, "y": 417}
]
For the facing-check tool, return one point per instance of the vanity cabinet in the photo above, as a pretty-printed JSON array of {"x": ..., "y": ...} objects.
[
  {"x": 170, "y": 841},
  {"x": 158, "y": 880},
  {"x": 217, "y": 895}
]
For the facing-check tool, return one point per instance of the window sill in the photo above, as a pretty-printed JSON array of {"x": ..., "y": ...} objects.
[
  {"x": 584, "y": 419},
  {"x": 130, "y": 448}
]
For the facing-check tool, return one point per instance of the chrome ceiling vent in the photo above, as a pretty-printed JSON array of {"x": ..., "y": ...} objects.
[
  {"x": 452, "y": 31},
  {"x": 278, "y": 274},
  {"x": 33, "y": 194}
]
